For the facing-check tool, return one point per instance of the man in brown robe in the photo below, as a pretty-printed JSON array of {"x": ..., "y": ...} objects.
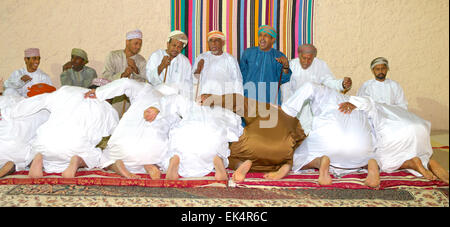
[{"x": 269, "y": 139}]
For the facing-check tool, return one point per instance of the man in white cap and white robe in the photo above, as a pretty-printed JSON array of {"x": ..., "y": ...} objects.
[
  {"x": 308, "y": 68},
  {"x": 68, "y": 139},
  {"x": 403, "y": 138},
  {"x": 136, "y": 146},
  {"x": 341, "y": 141},
  {"x": 382, "y": 89},
  {"x": 216, "y": 71},
  {"x": 171, "y": 67},
  {"x": 22, "y": 79},
  {"x": 126, "y": 63}
]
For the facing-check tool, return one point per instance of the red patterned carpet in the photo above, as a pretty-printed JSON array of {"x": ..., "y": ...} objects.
[{"x": 253, "y": 180}]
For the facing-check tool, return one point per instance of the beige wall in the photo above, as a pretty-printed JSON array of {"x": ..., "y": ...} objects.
[{"x": 412, "y": 34}]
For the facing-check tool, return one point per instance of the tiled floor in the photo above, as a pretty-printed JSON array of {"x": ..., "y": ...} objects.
[{"x": 440, "y": 139}]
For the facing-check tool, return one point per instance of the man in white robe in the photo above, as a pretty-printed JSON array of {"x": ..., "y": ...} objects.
[
  {"x": 22, "y": 79},
  {"x": 67, "y": 141},
  {"x": 136, "y": 146},
  {"x": 308, "y": 68},
  {"x": 199, "y": 143},
  {"x": 343, "y": 142},
  {"x": 171, "y": 67},
  {"x": 126, "y": 63},
  {"x": 217, "y": 72},
  {"x": 403, "y": 138},
  {"x": 382, "y": 89},
  {"x": 16, "y": 135}
]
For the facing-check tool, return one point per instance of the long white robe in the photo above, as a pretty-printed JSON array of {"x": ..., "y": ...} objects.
[
  {"x": 318, "y": 72},
  {"x": 203, "y": 133},
  {"x": 16, "y": 135},
  {"x": 136, "y": 141},
  {"x": 75, "y": 126},
  {"x": 178, "y": 73},
  {"x": 346, "y": 139},
  {"x": 401, "y": 135},
  {"x": 388, "y": 91},
  {"x": 220, "y": 74},
  {"x": 14, "y": 81}
]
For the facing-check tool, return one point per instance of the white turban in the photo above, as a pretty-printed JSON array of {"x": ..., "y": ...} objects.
[
  {"x": 178, "y": 35},
  {"x": 379, "y": 60},
  {"x": 136, "y": 34}
]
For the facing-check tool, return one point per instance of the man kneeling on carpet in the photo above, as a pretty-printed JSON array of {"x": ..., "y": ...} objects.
[
  {"x": 198, "y": 144},
  {"x": 268, "y": 141},
  {"x": 338, "y": 143},
  {"x": 136, "y": 146},
  {"x": 16, "y": 134},
  {"x": 67, "y": 141},
  {"x": 403, "y": 138}
]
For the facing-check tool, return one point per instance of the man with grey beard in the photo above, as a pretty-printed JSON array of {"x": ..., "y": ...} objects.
[
  {"x": 382, "y": 89},
  {"x": 217, "y": 72}
]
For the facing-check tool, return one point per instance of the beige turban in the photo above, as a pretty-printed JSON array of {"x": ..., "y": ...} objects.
[
  {"x": 32, "y": 52},
  {"x": 178, "y": 35},
  {"x": 136, "y": 34},
  {"x": 379, "y": 60},
  {"x": 216, "y": 34},
  {"x": 80, "y": 53}
]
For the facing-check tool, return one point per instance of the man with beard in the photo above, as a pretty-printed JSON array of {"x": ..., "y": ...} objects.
[
  {"x": 126, "y": 63},
  {"x": 170, "y": 67},
  {"x": 381, "y": 89},
  {"x": 217, "y": 71},
  {"x": 75, "y": 72}
]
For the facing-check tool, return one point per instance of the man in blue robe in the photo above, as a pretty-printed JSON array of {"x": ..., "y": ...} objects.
[{"x": 262, "y": 68}]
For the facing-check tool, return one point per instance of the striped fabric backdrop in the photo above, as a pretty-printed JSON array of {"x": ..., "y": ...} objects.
[{"x": 239, "y": 20}]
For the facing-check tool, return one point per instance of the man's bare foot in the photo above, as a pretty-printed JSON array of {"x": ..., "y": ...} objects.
[
  {"x": 221, "y": 172},
  {"x": 36, "y": 167},
  {"x": 373, "y": 177},
  {"x": 7, "y": 169},
  {"x": 241, "y": 171},
  {"x": 75, "y": 163},
  {"x": 324, "y": 171},
  {"x": 416, "y": 164},
  {"x": 172, "y": 171},
  {"x": 277, "y": 175},
  {"x": 438, "y": 170},
  {"x": 153, "y": 171},
  {"x": 120, "y": 169}
]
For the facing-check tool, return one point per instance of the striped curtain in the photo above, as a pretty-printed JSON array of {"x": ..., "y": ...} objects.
[{"x": 239, "y": 20}]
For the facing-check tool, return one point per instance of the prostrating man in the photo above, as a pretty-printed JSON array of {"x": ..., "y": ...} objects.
[
  {"x": 67, "y": 140},
  {"x": 268, "y": 141},
  {"x": 22, "y": 79},
  {"x": 343, "y": 142},
  {"x": 75, "y": 72},
  {"x": 136, "y": 146},
  {"x": 170, "y": 67},
  {"x": 264, "y": 69},
  {"x": 403, "y": 138},
  {"x": 308, "y": 68},
  {"x": 126, "y": 63},
  {"x": 198, "y": 143},
  {"x": 382, "y": 89},
  {"x": 16, "y": 135},
  {"x": 218, "y": 72}
]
